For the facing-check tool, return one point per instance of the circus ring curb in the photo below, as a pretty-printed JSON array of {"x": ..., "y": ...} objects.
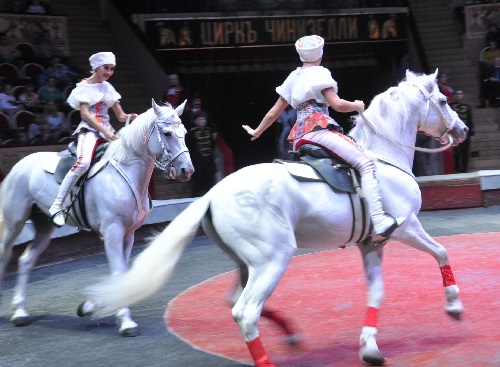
[{"x": 323, "y": 294}]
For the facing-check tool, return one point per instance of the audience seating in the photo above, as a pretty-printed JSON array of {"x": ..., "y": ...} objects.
[
  {"x": 7, "y": 135},
  {"x": 28, "y": 51},
  {"x": 23, "y": 119},
  {"x": 11, "y": 74},
  {"x": 31, "y": 71},
  {"x": 73, "y": 119}
]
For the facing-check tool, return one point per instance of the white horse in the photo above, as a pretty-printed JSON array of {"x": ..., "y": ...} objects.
[
  {"x": 261, "y": 214},
  {"x": 116, "y": 199}
]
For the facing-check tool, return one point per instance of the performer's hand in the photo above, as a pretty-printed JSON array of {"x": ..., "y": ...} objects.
[
  {"x": 250, "y": 131},
  {"x": 360, "y": 105},
  {"x": 133, "y": 116},
  {"x": 110, "y": 135}
]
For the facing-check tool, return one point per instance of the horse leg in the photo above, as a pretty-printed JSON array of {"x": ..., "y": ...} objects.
[
  {"x": 118, "y": 248},
  {"x": 292, "y": 338},
  {"x": 26, "y": 262},
  {"x": 419, "y": 239},
  {"x": 372, "y": 261},
  {"x": 262, "y": 281}
]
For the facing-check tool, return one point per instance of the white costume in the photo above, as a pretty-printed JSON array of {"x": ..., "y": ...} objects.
[{"x": 100, "y": 97}]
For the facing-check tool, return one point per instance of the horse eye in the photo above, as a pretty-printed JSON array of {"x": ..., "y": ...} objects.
[
  {"x": 443, "y": 101},
  {"x": 168, "y": 134}
]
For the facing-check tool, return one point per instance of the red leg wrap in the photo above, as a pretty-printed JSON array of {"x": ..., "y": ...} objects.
[
  {"x": 278, "y": 319},
  {"x": 258, "y": 353},
  {"x": 371, "y": 316},
  {"x": 447, "y": 274}
]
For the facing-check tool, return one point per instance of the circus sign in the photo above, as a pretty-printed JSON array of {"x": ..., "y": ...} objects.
[{"x": 198, "y": 33}]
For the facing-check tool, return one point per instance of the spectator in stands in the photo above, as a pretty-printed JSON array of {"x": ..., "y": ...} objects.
[
  {"x": 286, "y": 120},
  {"x": 50, "y": 92},
  {"x": 195, "y": 107},
  {"x": 47, "y": 49},
  {"x": 30, "y": 99},
  {"x": 175, "y": 93},
  {"x": 35, "y": 129},
  {"x": 63, "y": 74},
  {"x": 493, "y": 34},
  {"x": 8, "y": 103},
  {"x": 201, "y": 144},
  {"x": 56, "y": 120},
  {"x": 9, "y": 53},
  {"x": 442, "y": 81},
  {"x": 491, "y": 84},
  {"x": 486, "y": 69},
  {"x": 461, "y": 151},
  {"x": 35, "y": 7}
]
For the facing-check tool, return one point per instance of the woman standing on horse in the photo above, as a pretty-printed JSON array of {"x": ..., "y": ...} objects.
[
  {"x": 93, "y": 97},
  {"x": 310, "y": 89}
]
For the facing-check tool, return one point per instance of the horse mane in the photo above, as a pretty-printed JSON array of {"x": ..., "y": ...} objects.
[
  {"x": 389, "y": 111},
  {"x": 132, "y": 138}
]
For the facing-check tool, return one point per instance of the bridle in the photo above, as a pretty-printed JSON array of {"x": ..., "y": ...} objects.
[
  {"x": 167, "y": 162},
  {"x": 446, "y": 120},
  {"x": 169, "y": 159}
]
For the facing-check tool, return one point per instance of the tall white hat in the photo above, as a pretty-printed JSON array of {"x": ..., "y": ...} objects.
[
  {"x": 310, "y": 48},
  {"x": 102, "y": 58}
]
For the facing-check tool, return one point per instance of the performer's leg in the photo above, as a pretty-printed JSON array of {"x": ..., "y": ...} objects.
[
  {"x": 86, "y": 147},
  {"x": 343, "y": 147}
]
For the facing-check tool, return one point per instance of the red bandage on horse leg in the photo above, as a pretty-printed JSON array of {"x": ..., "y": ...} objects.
[
  {"x": 371, "y": 316},
  {"x": 447, "y": 274},
  {"x": 258, "y": 353},
  {"x": 278, "y": 319}
]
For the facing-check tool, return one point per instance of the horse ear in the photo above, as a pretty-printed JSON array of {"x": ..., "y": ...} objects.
[
  {"x": 180, "y": 109},
  {"x": 156, "y": 108},
  {"x": 408, "y": 74},
  {"x": 435, "y": 75}
]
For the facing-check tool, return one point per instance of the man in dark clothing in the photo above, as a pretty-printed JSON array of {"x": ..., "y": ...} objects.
[
  {"x": 461, "y": 151},
  {"x": 201, "y": 143}
]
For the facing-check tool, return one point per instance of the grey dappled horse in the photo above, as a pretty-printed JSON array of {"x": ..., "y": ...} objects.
[{"x": 116, "y": 199}]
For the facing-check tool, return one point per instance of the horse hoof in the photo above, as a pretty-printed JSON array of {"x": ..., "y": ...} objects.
[
  {"x": 130, "y": 332},
  {"x": 454, "y": 314},
  {"x": 455, "y": 309},
  {"x": 86, "y": 308},
  {"x": 20, "y": 320},
  {"x": 373, "y": 358}
]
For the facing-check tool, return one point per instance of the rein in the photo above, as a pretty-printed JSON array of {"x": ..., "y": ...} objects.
[{"x": 419, "y": 149}]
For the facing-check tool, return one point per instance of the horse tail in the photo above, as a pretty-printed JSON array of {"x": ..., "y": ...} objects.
[
  {"x": 152, "y": 267},
  {"x": 2, "y": 217}
]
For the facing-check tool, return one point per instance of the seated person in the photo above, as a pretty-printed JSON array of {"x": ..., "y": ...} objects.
[
  {"x": 8, "y": 103},
  {"x": 62, "y": 73},
  {"x": 30, "y": 99},
  {"x": 486, "y": 68},
  {"x": 50, "y": 93},
  {"x": 491, "y": 84},
  {"x": 56, "y": 119}
]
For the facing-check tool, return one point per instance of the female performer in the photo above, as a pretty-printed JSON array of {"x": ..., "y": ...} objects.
[
  {"x": 310, "y": 89},
  {"x": 93, "y": 97}
]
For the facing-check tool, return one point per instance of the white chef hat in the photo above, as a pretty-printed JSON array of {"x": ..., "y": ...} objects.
[
  {"x": 102, "y": 58},
  {"x": 310, "y": 48}
]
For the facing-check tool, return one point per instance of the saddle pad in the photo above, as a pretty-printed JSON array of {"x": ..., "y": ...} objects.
[
  {"x": 50, "y": 164},
  {"x": 300, "y": 171}
]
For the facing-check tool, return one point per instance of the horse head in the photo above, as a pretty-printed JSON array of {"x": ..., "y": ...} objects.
[
  {"x": 167, "y": 139},
  {"x": 437, "y": 118}
]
